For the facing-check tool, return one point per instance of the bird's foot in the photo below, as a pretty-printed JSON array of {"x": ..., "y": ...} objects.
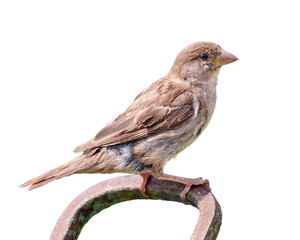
[
  {"x": 189, "y": 184},
  {"x": 186, "y": 181}
]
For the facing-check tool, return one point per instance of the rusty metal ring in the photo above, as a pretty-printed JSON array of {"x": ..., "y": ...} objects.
[{"x": 110, "y": 192}]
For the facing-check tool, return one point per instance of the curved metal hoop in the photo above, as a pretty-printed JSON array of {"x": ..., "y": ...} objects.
[{"x": 110, "y": 192}]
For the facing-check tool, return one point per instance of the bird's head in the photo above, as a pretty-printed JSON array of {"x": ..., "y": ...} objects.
[{"x": 200, "y": 61}]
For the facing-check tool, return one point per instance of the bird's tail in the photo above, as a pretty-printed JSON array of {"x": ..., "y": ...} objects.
[{"x": 77, "y": 165}]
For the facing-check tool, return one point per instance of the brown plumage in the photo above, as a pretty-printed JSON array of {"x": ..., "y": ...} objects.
[{"x": 163, "y": 119}]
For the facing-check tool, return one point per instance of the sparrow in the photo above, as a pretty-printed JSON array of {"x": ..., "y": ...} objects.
[{"x": 163, "y": 120}]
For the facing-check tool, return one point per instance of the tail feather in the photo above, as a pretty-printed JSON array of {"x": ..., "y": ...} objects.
[
  {"x": 40, "y": 183},
  {"x": 54, "y": 174},
  {"x": 94, "y": 161},
  {"x": 78, "y": 164}
]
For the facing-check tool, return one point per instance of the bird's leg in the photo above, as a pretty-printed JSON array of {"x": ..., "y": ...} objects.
[
  {"x": 186, "y": 181},
  {"x": 145, "y": 176}
]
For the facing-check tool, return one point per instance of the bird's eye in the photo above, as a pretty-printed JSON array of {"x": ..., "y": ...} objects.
[{"x": 203, "y": 56}]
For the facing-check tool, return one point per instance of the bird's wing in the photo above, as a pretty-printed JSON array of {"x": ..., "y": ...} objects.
[{"x": 165, "y": 111}]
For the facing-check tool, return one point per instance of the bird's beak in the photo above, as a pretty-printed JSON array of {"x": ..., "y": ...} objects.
[{"x": 224, "y": 58}]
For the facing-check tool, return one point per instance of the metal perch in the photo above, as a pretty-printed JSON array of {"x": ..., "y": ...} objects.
[{"x": 110, "y": 192}]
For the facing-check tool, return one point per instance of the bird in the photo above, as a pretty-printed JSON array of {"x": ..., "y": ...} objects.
[{"x": 163, "y": 120}]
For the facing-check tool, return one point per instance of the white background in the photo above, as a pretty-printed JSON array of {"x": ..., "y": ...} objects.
[{"x": 69, "y": 67}]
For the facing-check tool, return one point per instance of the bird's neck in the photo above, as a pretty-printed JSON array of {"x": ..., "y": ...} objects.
[
  {"x": 205, "y": 80},
  {"x": 207, "y": 93}
]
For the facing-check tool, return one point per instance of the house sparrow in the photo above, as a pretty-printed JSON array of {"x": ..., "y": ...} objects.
[{"x": 163, "y": 120}]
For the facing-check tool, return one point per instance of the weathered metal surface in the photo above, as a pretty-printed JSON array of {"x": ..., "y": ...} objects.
[{"x": 110, "y": 192}]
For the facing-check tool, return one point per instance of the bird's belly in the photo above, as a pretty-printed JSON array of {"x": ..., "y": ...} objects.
[{"x": 161, "y": 148}]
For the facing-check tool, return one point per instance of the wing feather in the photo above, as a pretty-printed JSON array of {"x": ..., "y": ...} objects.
[{"x": 165, "y": 111}]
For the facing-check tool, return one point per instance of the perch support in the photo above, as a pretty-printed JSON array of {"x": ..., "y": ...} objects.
[{"x": 110, "y": 192}]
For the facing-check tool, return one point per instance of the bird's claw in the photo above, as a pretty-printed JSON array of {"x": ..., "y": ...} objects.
[{"x": 192, "y": 182}]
